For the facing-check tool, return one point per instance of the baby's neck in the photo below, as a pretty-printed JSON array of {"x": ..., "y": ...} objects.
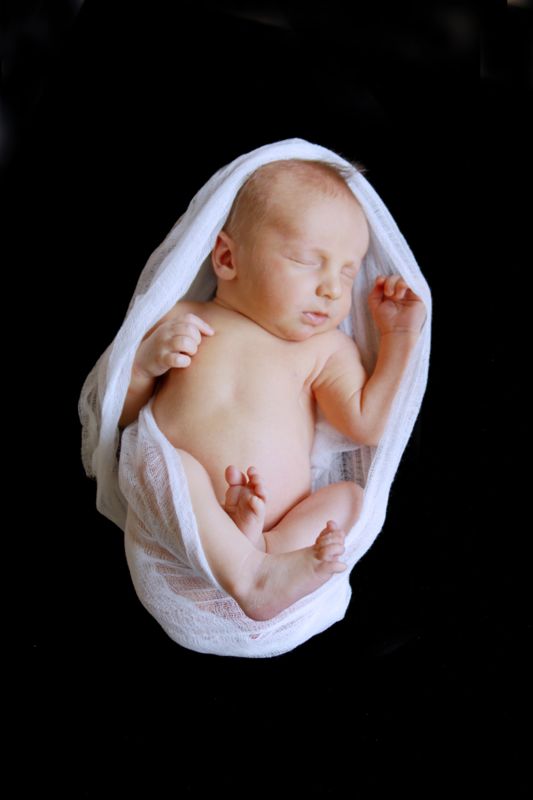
[
  {"x": 219, "y": 303},
  {"x": 222, "y": 303}
]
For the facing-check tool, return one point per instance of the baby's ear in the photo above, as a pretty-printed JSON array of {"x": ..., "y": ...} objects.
[{"x": 222, "y": 257}]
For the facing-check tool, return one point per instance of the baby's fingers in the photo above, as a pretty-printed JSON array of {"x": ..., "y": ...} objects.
[
  {"x": 385, "y": 284},
  {"x": 172, "y": 359},
  {"x": 201, "y": 324},
  {"x": 393, "y": 286},
  {"x": 180, "y": 360}
]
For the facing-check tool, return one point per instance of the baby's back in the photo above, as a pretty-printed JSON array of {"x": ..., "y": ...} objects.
[{"x": 244, "y": 400}]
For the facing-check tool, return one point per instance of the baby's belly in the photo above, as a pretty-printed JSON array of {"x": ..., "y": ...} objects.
[{"x": 274, "y": 437}]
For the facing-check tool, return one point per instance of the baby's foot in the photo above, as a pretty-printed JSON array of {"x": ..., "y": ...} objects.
[
  {"x": 284, "y": 578},
  {"x": 245, "y": 503}
]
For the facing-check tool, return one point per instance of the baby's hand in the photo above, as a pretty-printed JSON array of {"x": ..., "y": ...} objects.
[
  {"x": 395, "y": 307},
  {"x": 169, "y": 344}
]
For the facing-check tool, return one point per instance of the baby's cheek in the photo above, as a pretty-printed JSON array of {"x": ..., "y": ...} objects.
[{"x": 345, "y": 309}]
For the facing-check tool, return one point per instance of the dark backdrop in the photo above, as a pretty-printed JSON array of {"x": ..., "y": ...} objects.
[{"x": 124, "y": 117}]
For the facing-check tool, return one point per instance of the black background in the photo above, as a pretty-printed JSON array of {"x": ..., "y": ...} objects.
[{"x": 116, "y": 116}]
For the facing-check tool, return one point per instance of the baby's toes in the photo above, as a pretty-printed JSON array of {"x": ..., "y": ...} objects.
[
  {"x": 328, "y": 558},
  {"x": 256, "y": 504},
  {"x": 331, "y": 533},
  {"x": 256, "y": 484},
  {"x": 330, "y": 543},
  {"x": 259, "y": 490},
  {"x": 234, "y": 476},
  {"x": 330, "y": 552}
]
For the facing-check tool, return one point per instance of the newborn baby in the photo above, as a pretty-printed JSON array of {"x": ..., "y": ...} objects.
[{"x": 238, "y": 379}]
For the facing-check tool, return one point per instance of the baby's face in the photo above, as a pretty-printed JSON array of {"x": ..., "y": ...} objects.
[{"x": 302, "y": 265}]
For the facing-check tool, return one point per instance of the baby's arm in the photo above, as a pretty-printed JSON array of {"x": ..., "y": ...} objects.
[
  {"x": 163, "y": 347},
  {"x": 139, "y": 392},
  {"x": 358, "y": 405},
  {"x": 142, "y": 384}
]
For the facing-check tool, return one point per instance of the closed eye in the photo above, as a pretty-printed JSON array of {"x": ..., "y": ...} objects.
[
  {"x": 305, "y": 263},
  {"x": 351, "y": 274}
]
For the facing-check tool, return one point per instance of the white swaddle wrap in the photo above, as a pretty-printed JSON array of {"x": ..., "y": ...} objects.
[{"x": 141, "y": 483}]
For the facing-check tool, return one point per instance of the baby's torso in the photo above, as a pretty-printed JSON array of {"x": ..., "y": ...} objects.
[{"x": 246, "y": 400}]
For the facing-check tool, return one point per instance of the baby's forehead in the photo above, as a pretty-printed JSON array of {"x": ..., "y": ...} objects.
[
  {"x": 347, "y": 223},
  {"x": 292, "y": 209},
  {"x": 301, "y": 194}
]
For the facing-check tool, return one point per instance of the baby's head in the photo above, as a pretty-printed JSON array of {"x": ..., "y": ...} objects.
[{"x": 292, "y": 244}]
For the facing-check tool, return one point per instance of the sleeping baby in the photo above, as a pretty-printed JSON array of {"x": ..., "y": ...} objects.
[{"x": 236, "y": 381}]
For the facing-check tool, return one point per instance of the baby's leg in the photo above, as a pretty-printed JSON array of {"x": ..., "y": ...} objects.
[
  {"x": 263, "y": 584},
  {"x": 299, "y": 527}
]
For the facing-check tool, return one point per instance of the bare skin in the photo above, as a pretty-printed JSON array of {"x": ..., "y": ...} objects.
[
  {"x": 286, "y": 548},
  {"x": 245, "y": 503},
  {"x": 283, "y": 579},
  {"x": 248, "y": 393},
  {"x": 267, "y": 537},
  {"x": 265, "y": 583}
]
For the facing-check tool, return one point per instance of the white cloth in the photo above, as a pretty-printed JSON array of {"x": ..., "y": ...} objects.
[{"x": 141, "y": 483}]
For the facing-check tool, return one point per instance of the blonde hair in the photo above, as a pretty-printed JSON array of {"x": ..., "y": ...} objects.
[{"x": 255, "y": 199}]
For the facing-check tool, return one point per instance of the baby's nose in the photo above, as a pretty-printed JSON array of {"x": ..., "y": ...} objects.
[{"x": 330, "y": 290}]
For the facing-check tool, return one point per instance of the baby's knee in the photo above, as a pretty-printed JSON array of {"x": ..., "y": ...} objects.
[
  {"x": 356, "y": 494},
  {"x": 352, "y": 503}
]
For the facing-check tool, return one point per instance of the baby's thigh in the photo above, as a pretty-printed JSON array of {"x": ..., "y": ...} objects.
[
  {"x": 227, "y": 550},
  {"x": 341, "y": 502}
]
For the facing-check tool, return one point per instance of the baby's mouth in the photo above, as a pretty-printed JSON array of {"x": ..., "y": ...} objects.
[{"x": 315, "y": 317}]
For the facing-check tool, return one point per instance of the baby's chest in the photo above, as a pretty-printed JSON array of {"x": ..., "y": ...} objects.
[
  {"x": 257, "y": 383},
  {"x": 239, "y": 373},
  {"x": 273, "y": 373},
  {"x": 232, "y": 396}
]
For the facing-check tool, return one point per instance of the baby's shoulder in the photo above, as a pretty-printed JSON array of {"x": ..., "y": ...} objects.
[
  {"x": 330, "y": 341},
  {"x": 189, "y": 306},
  {"x": 323, "y": 347},
  {"x": 181, "y": 307}
]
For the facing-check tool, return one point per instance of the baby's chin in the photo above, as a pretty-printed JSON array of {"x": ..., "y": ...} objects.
[{"x": 298, "y": 331}]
